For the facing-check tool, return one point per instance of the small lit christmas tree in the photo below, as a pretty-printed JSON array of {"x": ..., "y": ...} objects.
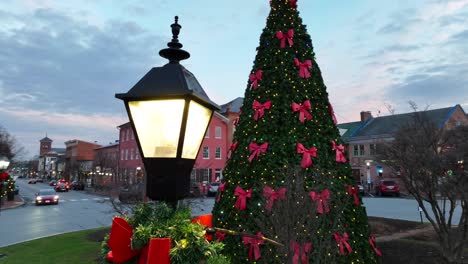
[{"x": 288, "y": 196}]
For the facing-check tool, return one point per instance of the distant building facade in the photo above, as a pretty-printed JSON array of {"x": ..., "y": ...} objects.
[
  {"x": 105, "y": 164},
  {"x": 79, "y": 159},
  {"x": 51, "y": 161},
  {"x": 130, "y": 165}
]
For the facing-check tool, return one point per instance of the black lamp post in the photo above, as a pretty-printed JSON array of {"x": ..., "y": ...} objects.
[{"x": 170, "y": 112}]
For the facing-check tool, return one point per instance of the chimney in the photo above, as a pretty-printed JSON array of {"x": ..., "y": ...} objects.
[{"x": 365, "y": 115}]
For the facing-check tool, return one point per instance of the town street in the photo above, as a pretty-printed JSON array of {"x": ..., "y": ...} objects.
[{"x": 78, "y": 210}]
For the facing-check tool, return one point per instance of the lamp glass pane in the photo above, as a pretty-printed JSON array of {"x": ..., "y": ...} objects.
[
  {"x": 197, "y": 122},
  {"x": 157, "y": 124}
]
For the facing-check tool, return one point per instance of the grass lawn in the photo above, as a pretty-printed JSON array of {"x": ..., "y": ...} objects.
[{"x": 77, "y": 247}]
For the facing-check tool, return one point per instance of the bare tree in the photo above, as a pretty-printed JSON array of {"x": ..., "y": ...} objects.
[
  {"x": 430, "y": 160},
  {"x": 9, "y": 147}
]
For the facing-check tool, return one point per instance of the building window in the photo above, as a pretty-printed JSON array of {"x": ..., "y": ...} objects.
[
  {"x": 358, "y": 150},
  {"x": 373, "y": 149},
  {"x": 127, "y": 135},
  {"x": 218, "y": 175},
  {"x": 126, "y": 154},
  {"x": 122, "y": 154},
  {"x": 137, "y": 155},
  {"x": 122, "y": 136},
  {"x": 133, "y": 134},
  {"x": 207, "y": 134},
  {"x": 217, "y": 132},
  {"x": 206, "y": 175},
  {"x": 206, "y": 152},
  {"x": 131, "y": 154},
  {"x": 218, "y": 153}
]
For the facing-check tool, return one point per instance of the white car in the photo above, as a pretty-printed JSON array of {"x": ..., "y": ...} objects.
[{"x": 213, "y": 188}]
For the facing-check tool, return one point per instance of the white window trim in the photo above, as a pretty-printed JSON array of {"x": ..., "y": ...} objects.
[
  {"x": 207, "y": 152},
  {"x": 220, "y": 132},
  {"x": 216, "y": 152}
]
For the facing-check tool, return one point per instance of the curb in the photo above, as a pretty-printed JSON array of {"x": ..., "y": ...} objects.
[{"x": 14, "y": 206}]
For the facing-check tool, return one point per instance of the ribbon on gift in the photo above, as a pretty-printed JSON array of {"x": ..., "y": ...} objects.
[
  {"x": 221, "y": 188},
  {"x": 254, "y": 249},
  {"x": 120, "y": 243},
  {"x": 259, "y": 108},
  {"x": 220, "y": 236},
  {"x": 343, "y": 243},
  {"x": 300, "y": 251},
  {"x": 332, "y": 113},
  {"x": 322, "y": 204},
  {"x": 241, "y": 202},
  {"x": 306, "y": 154},
  {"x": 339, "y": 152},
  {"x": 303, "y": 110},
  {"x": 303, "y": 68},
  {"x": 257, "y": 150},
  {"x": 271, "y": 195},
  {"x": 255, "y": 77},
  {"x": 285, "y": 36},
  {"x": 293, "y": 3},
  {"x": 372, "y": 244},
  {"x": 353, "y": 190},
  {"x": 232, "y": 148}
]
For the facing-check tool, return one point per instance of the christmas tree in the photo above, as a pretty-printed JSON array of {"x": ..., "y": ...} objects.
[{"x": 288, "y": 196}]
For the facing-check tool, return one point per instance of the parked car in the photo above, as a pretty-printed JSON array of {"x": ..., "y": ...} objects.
[
  {"x": 387, "y": 187},
  {"x": 77, "y": 185},
  {"x": 62, "y": 187},
  {"x": 32, "y": 181},
  {"x": 39, "y": 180},
  {"x": 213, "y": 188},
  {"x": 53, "y": 182},
  {"x": 47, "y": 196}
]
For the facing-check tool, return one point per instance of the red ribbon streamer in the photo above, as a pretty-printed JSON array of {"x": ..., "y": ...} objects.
[
  {"x": 300, "y": 250},
  {"x": 254, "y": 250},
  {"x": 330, "y": 108},
  {"x": 255, "y": 77},
  {"x": 322, "y": 205},
  {"x": 221, "y": 188},
  {"x": 119, "y": 243},
  {"x": 303, "y": 110},
  {"x": 241, "y": 202},
  {"x": 339, "y": 152},
  {"x": 272, "y": 195},
  {"x": 232, "y": 148},
  {"x": 343, "y": 243},
  {"x": 285, "y": 36},
  {"x": 306, "y": 153},
  {"x": 353, "y": 190},
  {"x": 303, "y": 68},
  {"x": 260, "y": 108},
  {"x": 220, "y": 236},
  {"x": 257, "y": 149},
  {"x": 372, "y": 243}
]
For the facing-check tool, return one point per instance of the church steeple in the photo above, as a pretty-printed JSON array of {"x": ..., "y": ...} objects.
[{"x": 45, "y": 145}]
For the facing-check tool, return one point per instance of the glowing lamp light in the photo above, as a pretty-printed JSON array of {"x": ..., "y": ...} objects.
[
  {"x": 4, "y": 163},
  {"x": 170, "y": 113}
]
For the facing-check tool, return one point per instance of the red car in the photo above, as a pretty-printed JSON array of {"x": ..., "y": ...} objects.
[
  {"x": 32, "y": 181},
  {"x": 47, "y": 196},
  {"x": 62, "y": 187},
  {"x": 387, "y": 187}
]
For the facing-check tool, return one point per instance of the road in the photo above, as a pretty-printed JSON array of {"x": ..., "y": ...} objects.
[{"x": 77, "y": 210}]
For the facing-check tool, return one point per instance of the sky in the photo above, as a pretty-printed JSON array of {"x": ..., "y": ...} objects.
[{"x": 63, "y": 61}]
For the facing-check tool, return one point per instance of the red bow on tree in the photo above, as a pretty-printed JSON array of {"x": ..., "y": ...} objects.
[
  {"x": 322, "y": 204},
  {"x": 272, "y": 195},
  {"x": 4, "y": 175},
  {"x": 343, "y": 243},
  {"x": 254, "y": 250},
  {"x": 220, "y": 191},
  {"x": 220, "y": 236},
  {"x": 293, "y": 3},
  {"x": 257, "y": 149},
  {"x": 330, "y": 108},
  {"x": 255, "y": 77},
  {"x": 232, "y": 148},
  {"x": 339, "y": 152},
  {"x": 303, "y": 110},
  {"x": 260, "y": 108},
  {"x": 372, "y": 243},
  {"x": 300, "y": 250},
  {"x": 241, "y": 202},
  {"x": 306, "y": 153},
  {"x": 285, "y": 36},
  {"x": 353, "y": 190},
  {"x": 303, "y": 68},
  {"x": 236, "y": 121}
]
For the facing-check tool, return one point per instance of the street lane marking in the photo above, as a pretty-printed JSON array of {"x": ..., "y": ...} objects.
[
  {"x": 73, "y": 200},
  {"x": 86, "y": 199}
]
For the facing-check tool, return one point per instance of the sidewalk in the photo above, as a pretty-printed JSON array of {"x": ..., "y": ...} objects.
[{"x": 18, "y": 201}]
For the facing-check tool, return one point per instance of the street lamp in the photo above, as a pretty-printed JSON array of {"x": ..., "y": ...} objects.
[
  {"x": 170, "y": 112},
  {"x": 369, "y": 180}
]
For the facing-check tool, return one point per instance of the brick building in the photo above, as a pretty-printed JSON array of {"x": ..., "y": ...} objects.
[
  {"x": 79, "y": 159},
  {"x": 51, "y": 161},
  {"x": 106, "y": 163},
  {"x": 130, "y": 165}
]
